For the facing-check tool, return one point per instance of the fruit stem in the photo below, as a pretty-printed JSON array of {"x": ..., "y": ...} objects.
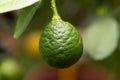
[{"x": 56, "y": 16}]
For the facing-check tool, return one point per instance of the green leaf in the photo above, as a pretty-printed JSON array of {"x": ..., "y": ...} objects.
[
  {"x": 9, "y": 5},
  {"x": 25, "y": 16},
  {"x": 101, "y": 38}
]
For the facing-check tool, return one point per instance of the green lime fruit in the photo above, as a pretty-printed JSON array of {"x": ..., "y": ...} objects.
[
  {"x": 60, "y": 43},
  {"x": 11, "y": 69}
]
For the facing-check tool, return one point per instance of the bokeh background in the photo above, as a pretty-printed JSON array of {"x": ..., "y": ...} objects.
[{"x": 20, "y": 59}]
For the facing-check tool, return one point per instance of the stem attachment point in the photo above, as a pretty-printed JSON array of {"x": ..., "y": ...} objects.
[{"x": 56, "y": 16}]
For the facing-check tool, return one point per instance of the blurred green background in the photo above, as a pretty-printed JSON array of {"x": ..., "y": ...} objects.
[{"x": 96, "y": 20}]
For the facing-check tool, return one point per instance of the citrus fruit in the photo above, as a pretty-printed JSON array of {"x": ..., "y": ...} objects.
[
  {"x": 31, "y": 44},
  {"x": 11, "y": 69},
  {"x": 60, "y": 43}
]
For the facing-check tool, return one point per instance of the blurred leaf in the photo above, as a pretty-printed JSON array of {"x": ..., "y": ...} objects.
[
  {"x": 24, "y": 19},
  {"x": 101, "y": 37},
  {"x": 103, "y": 10},
  {"x": 9, "y": 5}
]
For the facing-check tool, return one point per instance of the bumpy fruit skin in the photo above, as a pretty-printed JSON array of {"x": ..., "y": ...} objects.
[{"x": 60, "y": 44}]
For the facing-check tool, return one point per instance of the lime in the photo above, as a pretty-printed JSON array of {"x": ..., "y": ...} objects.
[
  {"x": 60, "y": 44},
  {"x": 10, "y": 69}
]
